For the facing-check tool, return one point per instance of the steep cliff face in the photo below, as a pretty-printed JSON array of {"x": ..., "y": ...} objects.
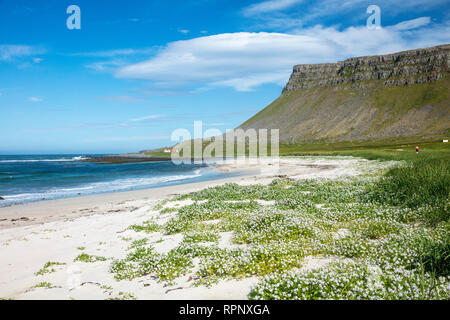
[
  {"x": 401, "y": 95},
  {"x": 399, "y": 69}
]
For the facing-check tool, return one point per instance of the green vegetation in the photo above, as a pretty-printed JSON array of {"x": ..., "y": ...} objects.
[
  {"x": 423, "y": 183},
  {"x": 147, "y": 226},
  {"x": 42, "y": 285},
  {"x": 376, "y": 248},
  {"x": 359, "y": 113},
  {"x": 381, "y": 151},
  {"x": 157, "y": 154},
  {"x": 125, "y": 296},
  {"x": 435, "y": 256},
  {"x": 47, "y": 268},
  {"x": 84, "y": 257}
]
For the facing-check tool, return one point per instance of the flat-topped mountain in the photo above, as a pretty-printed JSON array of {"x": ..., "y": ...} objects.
[{"x": 402, "y": 95}]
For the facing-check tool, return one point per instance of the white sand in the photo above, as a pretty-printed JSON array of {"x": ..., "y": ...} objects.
[{"x": 56, "y": 229}]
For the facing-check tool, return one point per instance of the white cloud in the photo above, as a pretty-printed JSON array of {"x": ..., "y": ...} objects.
[
  {"x": 183, "y": 31},
  {"x": 37, "y": 60},
  {"x": 245, "y": 60},
  {"x": 412, "y": 24},
  {"x": 34, "y": 99},
  {"x": 151, "y": 117},
  {"x": 326, "y": 8},
  {"x": 230, "y": 59},
  {"x": 269, "y": 6},
  {"x": 107, "y": 66},
  {"x": 10, "y": 52}
]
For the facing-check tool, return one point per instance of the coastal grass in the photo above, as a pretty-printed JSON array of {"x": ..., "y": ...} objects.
[
  {"x": 422, "y": 183},
  {"x": 382, "y": 150},
  {"x": 84, "y": 257},
  {"x": 48, "y": 268},
  {"x": 46, "y": 285},
  {"x": 377, "y": 247}
]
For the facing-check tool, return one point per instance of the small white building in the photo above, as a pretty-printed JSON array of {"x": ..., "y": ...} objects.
[{"x": 445, "y": 141}]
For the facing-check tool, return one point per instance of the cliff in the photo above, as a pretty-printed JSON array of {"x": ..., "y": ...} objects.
[{"x": 402, "y": 95}]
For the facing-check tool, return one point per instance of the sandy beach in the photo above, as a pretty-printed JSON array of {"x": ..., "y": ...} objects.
[{"x": 59, "y": 230}]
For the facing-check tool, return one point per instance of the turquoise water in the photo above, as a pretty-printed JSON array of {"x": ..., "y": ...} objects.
[{"x": 35, "y": 178}]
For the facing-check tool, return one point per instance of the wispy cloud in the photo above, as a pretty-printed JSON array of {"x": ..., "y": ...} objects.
[
  {"x": 35, "y": 99},
  {"x": 146, "y": 118},
  {"x": 317, "y": 10},
  {"x": 412, "y": 24},
  {"x": 279, "y": 14},
  {"x": 240, "y": 60},
  {"x": 183, "y": 31},
  {"x": 269, "y": 6},
  {"x": 107, "y": 66},
  {"x": 246, "y": 60},
  {"x": 9, "y": 52}
]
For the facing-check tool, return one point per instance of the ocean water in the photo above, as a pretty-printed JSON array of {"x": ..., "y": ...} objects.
[{"x": 35, "y": 178}]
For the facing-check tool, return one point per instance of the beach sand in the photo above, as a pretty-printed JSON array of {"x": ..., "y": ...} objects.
[{"x": 59, "y": 230}]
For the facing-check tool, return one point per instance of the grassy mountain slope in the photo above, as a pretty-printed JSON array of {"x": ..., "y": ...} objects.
[
  {"x": 397, "y": 98},
  {"x": 420, "y": 111}
]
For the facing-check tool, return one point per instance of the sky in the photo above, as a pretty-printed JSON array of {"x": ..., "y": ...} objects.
[{"x": 137, "y": 70}]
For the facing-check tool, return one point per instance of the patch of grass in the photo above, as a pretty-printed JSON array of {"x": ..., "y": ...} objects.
[
  {"x": 42, "y": 285},
  {"x": 125, "y": 296},
  {"x": 375, "y": 228},
  {"x": 144, "y": 261},
  {"x": 435, "y": 256},
  {"x": 84, "y": 257},
  {"x": 138, "y": 243},
  {"x": 47, "y": 268},
  {"x": 207, "y": 236},
  {"x": 147, "y": 226},
  {"x": 421, "y": 183},
  {"x": 168, "y": 210}
]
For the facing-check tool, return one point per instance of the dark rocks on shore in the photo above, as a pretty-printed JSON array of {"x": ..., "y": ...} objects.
[
  {"x": 20, "y": 219},
  {"x": 2, "y": 198}
]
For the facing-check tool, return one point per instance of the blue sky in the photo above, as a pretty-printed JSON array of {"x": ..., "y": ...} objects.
[{"x": 137, "y": 70}]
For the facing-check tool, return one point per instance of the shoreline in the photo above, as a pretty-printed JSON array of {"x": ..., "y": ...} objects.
[
  {"x": 39, "y": 212},
  {"x": 209, "y": 171},
  {"x": 60, "y": 230}
]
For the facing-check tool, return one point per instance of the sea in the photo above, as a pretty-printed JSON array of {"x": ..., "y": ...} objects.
[{"x": 30, "y": 178}]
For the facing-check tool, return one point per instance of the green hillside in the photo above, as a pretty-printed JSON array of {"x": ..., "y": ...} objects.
[
  {"x": 335, "y": 114},
  {"x": 391, "y": 99}
]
